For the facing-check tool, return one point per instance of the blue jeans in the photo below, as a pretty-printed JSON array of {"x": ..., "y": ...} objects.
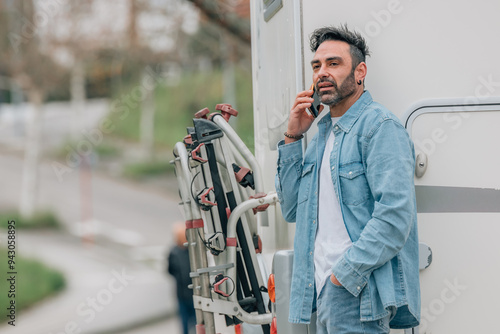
[
  {"x": 188, "y": 316},
  {"x": 338, "y": 312}
]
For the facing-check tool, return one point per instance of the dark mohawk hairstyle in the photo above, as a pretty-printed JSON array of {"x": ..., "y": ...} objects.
[{"x": 359, "y": 49}]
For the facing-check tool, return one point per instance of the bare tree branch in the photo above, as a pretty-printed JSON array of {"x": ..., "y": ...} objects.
[{"x": 218, "y": 14}]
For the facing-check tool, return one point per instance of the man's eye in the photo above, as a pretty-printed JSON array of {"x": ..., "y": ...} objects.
[{"x": 333, "y": 64}]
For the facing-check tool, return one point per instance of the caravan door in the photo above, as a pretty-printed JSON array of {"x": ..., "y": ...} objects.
[{"x": 458, "y": 201}]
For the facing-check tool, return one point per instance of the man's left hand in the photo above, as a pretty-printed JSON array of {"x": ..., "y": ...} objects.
[{"x": 335, "y": 280}]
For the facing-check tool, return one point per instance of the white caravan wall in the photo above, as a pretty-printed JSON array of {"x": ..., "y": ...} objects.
[
  {"x": 420, "y": 48},
  {"x": 459, "y": 217},
  {"x": 275, "y": 80}
]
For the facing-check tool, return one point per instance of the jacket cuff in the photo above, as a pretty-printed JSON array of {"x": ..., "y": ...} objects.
[
  {"x": 350, "y": 279},
  {"x": 288, "y": 153}
]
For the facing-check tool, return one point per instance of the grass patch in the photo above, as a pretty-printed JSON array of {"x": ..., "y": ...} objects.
[
  {"x": 175, "y": 107},
  {"x": 107, "y": 151},
  {"x": 69, "y": 150},
  {"x": 34, "y": 282},
  {"x": 40, "y": 219},
  {"x": 147, "y": 169}
]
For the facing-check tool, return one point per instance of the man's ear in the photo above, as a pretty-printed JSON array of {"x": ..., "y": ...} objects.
[{"x": 360, "y": 72}]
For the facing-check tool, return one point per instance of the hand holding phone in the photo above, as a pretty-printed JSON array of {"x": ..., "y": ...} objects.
[
  {"x": 301, "y": 117},
  {"x": 314, "y": 108}
]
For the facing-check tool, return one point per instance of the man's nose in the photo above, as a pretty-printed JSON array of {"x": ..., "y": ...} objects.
[{"x": 322, "y": 73}]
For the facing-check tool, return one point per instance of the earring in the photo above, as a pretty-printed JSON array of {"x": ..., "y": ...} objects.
[{"x": 359, "y": 82}]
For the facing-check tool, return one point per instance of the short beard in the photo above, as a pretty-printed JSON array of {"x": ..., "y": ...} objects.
[{"x": 347, "y": 88}]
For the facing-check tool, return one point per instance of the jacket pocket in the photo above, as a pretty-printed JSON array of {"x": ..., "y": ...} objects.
[
  {"x": 353, "y": 184},
  {"x": 305, "y": 182}
]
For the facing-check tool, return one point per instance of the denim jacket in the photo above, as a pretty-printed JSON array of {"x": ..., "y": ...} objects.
[{"x": 372, "y": 165}]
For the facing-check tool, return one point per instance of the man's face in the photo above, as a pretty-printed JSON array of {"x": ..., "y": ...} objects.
[{"x": 333, "y": 75}]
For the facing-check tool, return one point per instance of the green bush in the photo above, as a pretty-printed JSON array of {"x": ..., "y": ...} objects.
[
  {"x": 176, "y": 105},
  {"x": 107, "y": 151},
  {"x": 40, "y": 219},
  {"x": 34, "y": 282},
  {"x": 145, "y": 169}
]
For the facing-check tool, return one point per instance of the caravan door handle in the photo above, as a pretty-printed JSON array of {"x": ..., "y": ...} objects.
[{"x": 420, "y": 164}]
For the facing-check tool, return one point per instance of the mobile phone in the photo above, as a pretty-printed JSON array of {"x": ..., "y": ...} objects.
[{"x": 314, "y": 108}]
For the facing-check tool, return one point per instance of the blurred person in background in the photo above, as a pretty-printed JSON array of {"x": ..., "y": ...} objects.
[{"x": 178, "y": 266}]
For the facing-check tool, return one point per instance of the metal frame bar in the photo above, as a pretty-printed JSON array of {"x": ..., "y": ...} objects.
[{"x": 197, "y": 252}]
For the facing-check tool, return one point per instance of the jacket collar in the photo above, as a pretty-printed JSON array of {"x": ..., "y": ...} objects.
[{"x": 352, "y": 114}]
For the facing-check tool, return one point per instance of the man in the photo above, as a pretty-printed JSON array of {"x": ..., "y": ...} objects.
[
  {"x": 178, "y": 266},
  {"x": 352, "y": 196}
]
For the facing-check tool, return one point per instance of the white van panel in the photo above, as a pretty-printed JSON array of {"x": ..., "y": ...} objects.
[
  {"x": 459, "y": 289},
  {"x": 458, "y": 199},
  {"x": 420, "y": 49},
  {"x": 277, "y": 74},
  {"x": 461, "y": 147}
]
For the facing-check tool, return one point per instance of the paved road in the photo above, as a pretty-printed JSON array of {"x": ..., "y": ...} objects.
[
  {"x": 83, "y": 199},
  {"x": 131, "y": 237},
  {"x": 125, "y": 211},
  {"x": 170, "y": 326},
  {"x": 130, "y": 226}
]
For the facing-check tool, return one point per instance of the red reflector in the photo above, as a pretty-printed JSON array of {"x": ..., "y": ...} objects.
[
  {"x": 274, "y": 329},
  {"x": 271, "y": 289}
]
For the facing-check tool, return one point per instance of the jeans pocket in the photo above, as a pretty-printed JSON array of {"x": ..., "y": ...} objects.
[{"x": 335, "y": 285}]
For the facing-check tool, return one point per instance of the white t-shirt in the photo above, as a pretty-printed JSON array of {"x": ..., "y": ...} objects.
[{"x": 332, "y": 239}]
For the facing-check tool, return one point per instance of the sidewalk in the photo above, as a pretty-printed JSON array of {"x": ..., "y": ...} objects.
[{"x": 106, "y": 291}]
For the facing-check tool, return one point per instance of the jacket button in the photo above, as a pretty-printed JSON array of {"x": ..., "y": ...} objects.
[
  {"x": 359, "y": 288},
  {"x": 333, "y": 167},
  {"x": 310, "y": 285}
]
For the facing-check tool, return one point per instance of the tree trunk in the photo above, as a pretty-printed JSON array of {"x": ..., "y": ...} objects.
[
  {"x": 147, "y": 120},
  {"x": 78, "y": 96},
  {"x": 228, "y": 74},
  {"x": 29, "y": 190}
]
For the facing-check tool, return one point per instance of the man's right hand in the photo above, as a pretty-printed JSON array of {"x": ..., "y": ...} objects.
[{"x": 300, "y": 120}]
